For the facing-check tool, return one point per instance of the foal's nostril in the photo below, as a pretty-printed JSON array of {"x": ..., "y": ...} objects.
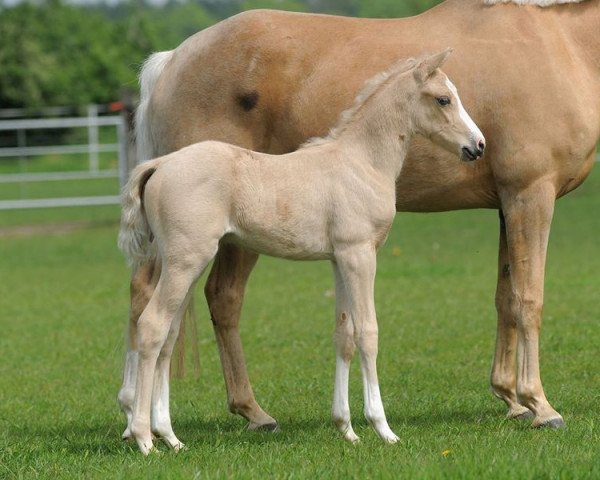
[{"x": 481, "y": 146}]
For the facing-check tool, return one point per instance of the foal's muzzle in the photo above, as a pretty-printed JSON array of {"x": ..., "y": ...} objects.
[{"x": 473, "y": 152}]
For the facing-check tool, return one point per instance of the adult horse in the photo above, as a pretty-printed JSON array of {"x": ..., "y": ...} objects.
[{"x": 268, "y": 80}]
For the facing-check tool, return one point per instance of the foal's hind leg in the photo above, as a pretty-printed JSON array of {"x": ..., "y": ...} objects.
[
  {"x": 143, "y": 283},
  {"x": 157, "y": 329},
  {"x": 224, "y": 292},
  {"x": 160, "y": 419},
  {"x": 344, "y": 346},
  {"x": 504, "y": 369}
]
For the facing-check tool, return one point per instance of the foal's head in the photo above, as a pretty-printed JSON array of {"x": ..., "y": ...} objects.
[{"x": 439, "y": 114}]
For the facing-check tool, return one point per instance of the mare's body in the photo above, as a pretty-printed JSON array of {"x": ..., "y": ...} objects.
[{"x": 269, "y": 80}]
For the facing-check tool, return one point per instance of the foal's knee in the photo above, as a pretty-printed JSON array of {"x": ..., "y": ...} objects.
[{"x": 367, "y": 341}]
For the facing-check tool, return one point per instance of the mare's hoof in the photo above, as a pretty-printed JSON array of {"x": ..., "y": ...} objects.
[
  {"x": 267, "y": 427},
  {"x": 528, "y": 415},
  {"x": 553, "y": 423}
]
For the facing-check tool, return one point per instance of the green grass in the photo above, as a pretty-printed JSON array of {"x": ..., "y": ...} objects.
[
  {"x": 57, "y": 163},
  {"x": 63, "y": 307},
  {"x": 60, "y": 188}
]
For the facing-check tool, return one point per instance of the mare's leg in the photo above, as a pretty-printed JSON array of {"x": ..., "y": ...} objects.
[
  {"x": 357, "y": 269},
  {"x": 143, "y": 282},
  {"x": 504, "y": 369},
  {"x": 344, "y": 347},
  {"x": 528, "y": 216},
  {"x": 224, "y": 292}
]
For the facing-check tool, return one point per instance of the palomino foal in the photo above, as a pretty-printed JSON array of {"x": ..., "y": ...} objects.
[{"x": 211, "y": 192}]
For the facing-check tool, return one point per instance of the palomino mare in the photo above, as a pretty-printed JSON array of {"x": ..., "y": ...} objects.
[
  {"x": 266, "y": 80},
  {"x": 333, "y": 198}
]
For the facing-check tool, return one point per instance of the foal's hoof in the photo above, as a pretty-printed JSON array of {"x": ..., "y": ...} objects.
[
  {"x": 147, "y": 448},
  {"x": 553, "y": 423},
  {"x": 177, "y": 447},
  {"x": 265, "y": 427}
]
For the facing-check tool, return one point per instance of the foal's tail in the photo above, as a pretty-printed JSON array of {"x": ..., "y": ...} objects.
[{"x": 135, "y": 236}]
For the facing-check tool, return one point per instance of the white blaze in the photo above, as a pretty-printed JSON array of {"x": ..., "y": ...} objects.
[{"x": 474, "y": 129}]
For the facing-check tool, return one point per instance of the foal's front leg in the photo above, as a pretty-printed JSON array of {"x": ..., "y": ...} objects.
[
  {"x": 357, "y": 271},
  {"x": 344, "y": 347}
]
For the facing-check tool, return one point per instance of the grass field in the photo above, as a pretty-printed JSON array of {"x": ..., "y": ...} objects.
[{"x": 64, "y": 303}]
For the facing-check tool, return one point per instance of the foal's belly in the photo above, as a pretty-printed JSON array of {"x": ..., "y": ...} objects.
[{"x": 277, "y": 242}]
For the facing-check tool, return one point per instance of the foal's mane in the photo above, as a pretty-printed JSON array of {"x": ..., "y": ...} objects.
[{"x": 366, "y": 93}]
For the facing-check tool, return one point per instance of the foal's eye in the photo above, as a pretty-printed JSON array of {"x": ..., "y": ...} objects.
[{"x": 443, "y": 101}]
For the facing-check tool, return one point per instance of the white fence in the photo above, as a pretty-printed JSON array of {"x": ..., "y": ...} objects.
[{"x": 93, "y": 148}]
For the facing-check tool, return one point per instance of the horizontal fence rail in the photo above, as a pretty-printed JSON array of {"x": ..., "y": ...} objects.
[
  {"x": 59, "y": 202},
  {"x": 92, "y": 122}
]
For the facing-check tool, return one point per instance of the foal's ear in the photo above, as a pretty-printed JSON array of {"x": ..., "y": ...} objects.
[{"x": 428, "y": 65}]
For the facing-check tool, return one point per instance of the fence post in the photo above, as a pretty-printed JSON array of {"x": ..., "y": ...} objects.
[
  {"x": 123, "y": 163},
  {"x": 92, "y": 112},
  {"x": 22, "y": 143}
]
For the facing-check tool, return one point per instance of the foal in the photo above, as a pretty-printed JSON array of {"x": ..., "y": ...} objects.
[{"x": 334, "y": 198}]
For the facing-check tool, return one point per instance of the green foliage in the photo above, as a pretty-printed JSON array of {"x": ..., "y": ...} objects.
[
  {"x": 75, "y": 61},
  {"x": 58, "y": 54},
  {"x": 53, "y": 53},
  {"x": 289, "y": 5},
  {"x": 394, "y": 8}
]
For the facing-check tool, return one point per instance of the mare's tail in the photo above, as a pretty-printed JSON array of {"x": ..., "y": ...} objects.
[
  {"x": 135, "y": 236},
  {"x": 153, "y": 67}
]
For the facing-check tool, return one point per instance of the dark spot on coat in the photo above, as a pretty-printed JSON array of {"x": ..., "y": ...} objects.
[
  {"x": 506, "y": 270},
  {"x": 248, "y": 100}
]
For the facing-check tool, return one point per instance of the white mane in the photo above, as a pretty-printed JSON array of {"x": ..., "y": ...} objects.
[
  {"x": 366, "y": 92},
  {"x": 539, "y": 3}
]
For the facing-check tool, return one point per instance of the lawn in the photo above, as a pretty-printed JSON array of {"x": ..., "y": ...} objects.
[{"x": 64, "y": 303}]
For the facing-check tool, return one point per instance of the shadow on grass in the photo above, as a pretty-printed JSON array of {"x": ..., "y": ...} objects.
[
  {"x": 450, "y": 416},
  {"x": 103, "y": 438}
]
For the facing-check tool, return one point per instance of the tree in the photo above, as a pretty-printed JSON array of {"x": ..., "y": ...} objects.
[
  {"x": 289, "y": 5},
  {"x": 394, "y": 8},
  {"x": 85, "y": 57}
]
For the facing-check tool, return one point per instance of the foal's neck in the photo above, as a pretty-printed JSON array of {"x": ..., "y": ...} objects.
[{"x": 380, "y": 132}]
